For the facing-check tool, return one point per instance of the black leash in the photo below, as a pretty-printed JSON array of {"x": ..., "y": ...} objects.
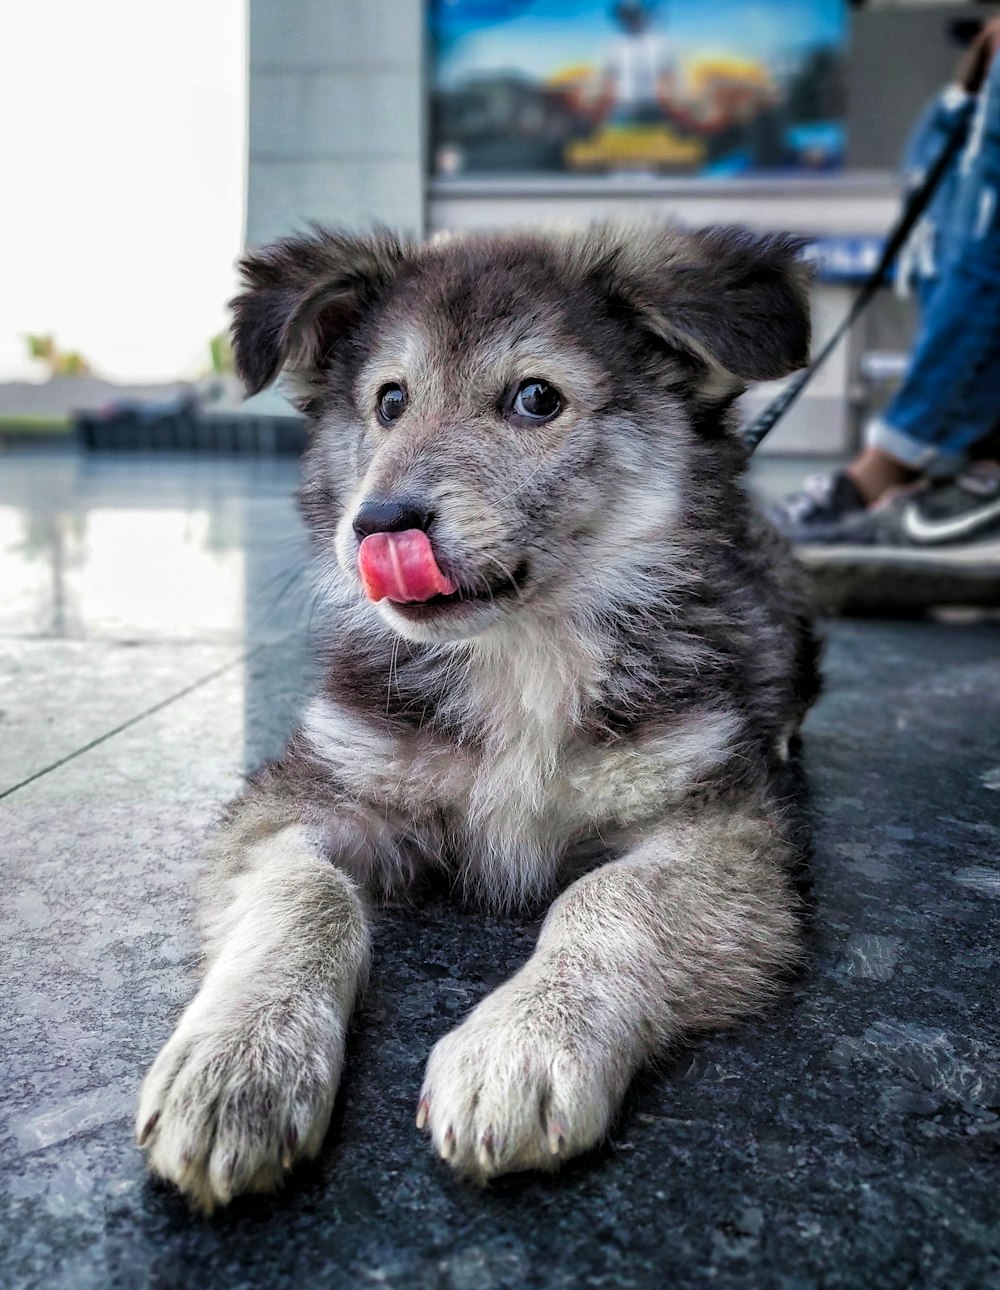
[{"x": 914, "y": 207}]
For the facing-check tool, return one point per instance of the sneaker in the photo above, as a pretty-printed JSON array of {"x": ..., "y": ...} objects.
[
  {"x": 821, "y": 511},
  {"x": 937, "y": 545},
  {"x": 965, "y": 510}
]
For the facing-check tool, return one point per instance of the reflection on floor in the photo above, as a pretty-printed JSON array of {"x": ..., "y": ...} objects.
[{"x": 152, "y": 625}]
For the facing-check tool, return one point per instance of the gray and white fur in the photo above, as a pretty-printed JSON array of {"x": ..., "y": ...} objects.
[{"x": 621, "y": 669}]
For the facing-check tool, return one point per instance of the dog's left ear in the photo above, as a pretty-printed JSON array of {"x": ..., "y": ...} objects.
[
  {"x": 302, "y": 294},
  {"x": 729, "y": 298}
]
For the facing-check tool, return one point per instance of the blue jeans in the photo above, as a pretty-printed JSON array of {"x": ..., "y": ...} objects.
[{"x": 950, "y": 396}]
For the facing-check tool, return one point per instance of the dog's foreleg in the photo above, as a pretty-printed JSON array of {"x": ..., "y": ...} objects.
[
  {"x": 687, "y": 931},
  {"x": 246, "y": 1084}
]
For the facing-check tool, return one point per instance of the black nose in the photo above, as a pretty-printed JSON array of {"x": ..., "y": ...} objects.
[{"x": 391, "y": 515}]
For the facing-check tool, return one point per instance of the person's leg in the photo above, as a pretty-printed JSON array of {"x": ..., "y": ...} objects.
[
  {"x": 924, "y": 259},
  {"x": 874, "y": 471},
  {"x": 931, "y": 245},
  {"x": 950, "y": 397}
]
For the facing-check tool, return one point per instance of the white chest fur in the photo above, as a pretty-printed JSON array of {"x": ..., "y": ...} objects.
[{"x": 531, "y": 785}]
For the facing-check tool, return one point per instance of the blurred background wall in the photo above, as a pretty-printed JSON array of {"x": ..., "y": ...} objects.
[
  {"x": 339, "y": 132},
  {"x": 899, "y": 55},
  {"x": 338, "y": 125}
]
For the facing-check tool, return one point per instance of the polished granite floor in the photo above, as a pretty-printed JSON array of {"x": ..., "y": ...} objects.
[{"x": 153, "y": 615}]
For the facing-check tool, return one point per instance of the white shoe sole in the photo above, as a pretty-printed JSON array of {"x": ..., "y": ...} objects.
[
  {"x": 892, "y": 580},
  {"x": 965, "y": 555}
]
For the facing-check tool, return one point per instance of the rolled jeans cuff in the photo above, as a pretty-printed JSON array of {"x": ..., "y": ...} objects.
[{"x": 928, "y": 458}]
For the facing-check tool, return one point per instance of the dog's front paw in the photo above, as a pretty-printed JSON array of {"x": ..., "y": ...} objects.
[
  {"x": 240, "y": 1092},
  {"x": 518, "y": 1085}
]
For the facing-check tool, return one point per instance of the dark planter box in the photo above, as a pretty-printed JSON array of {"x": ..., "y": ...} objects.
[{"x": 128, "y": 430}]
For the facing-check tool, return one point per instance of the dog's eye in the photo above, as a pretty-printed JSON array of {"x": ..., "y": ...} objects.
[
  {"x": 537, "y": 401},
  {"x": 391, "y": 403}
]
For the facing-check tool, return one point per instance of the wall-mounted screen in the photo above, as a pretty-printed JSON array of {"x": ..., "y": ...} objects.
[{"x": 578, "y": 87}]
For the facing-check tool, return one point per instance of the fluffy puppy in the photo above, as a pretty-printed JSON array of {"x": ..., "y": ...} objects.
[{"x": 559, "y": 626}]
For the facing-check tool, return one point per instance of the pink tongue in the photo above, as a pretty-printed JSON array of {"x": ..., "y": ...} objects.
[{"x": 401, "y": 567}]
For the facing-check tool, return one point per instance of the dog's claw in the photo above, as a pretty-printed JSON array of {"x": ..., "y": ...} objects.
[
  {"x": 423, "y": 1112},
  {"x": 448, "y": 1145},
  {"x": 147, "y": 1129},
  {"x": 486, "y": 1153},
  {"x": 556, "y": 1136},
  {"x": 289, "y": 1143}
]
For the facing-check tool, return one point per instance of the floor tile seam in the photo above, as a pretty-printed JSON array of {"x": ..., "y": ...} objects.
[{"x": 138, "y": 717}]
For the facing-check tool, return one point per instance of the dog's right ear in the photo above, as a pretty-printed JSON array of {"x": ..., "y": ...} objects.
[{"x": 301, "y": 294}]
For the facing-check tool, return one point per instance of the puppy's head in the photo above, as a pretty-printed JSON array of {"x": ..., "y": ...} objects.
[{"x": 507, "y": 421}]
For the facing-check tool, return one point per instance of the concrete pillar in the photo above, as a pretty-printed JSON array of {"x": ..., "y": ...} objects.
[{"x": 337, "y": 113}]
